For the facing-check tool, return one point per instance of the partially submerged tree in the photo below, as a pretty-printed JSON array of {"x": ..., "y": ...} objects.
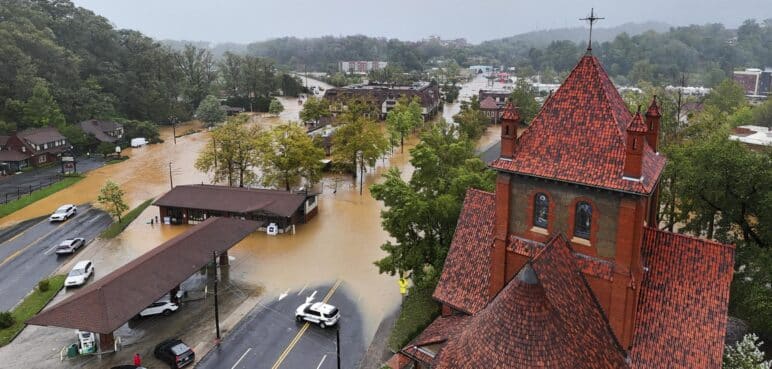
[
  {"x": 111, "y": 196},
  {"x": 421, "y": 214},
  {"x": 232, "y": 153},
  {"x": 524, "y": 98},
  {"x": 405, "y": 116},
  {"x": 289, "y": 156},
  {"x": 359, "y": 142},
  {"x": 275, "y": 107},
  {"x": 210, "y": 111},
  {"x": 314, "y": 110}
]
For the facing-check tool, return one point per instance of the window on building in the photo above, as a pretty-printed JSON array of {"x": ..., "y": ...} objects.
[
  {"x": 583, "y": 220},
  {"x": 42, "y": 159},
  {"x": 541, "y": 205}
]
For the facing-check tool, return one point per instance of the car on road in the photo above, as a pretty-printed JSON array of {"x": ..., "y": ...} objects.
[
  {"x": 174, "y": 352},
  {"x": 71, "y": 245},
  {"x": 63, "y": 213},
  {"x": 163, "y": 306},
  {"x": 317, "y": 312},
  {"x": 79, "y": 274}
]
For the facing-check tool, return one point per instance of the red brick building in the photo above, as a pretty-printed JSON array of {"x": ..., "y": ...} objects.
[
  {"x": 563, "y": 266},
  {"x": 33, "y": 146}
]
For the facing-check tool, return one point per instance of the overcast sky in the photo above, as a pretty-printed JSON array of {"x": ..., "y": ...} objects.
[{"x": 254, "y": 20}]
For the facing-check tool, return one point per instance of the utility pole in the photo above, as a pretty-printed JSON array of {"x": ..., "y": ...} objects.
[
  {"x": 173, "y": 120},
  {"x": 337, "y": 343},
  {"x": 216, "y": 306},
  {"x": 171, "y": 181}
]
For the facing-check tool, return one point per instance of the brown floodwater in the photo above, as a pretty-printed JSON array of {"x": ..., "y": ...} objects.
[{"x": 341, "y": 242}]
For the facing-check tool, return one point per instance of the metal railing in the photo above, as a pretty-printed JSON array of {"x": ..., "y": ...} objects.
[{"x": 29, "y": 188}]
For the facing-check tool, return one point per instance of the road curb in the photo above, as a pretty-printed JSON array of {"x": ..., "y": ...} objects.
[{"x": 378, "y": 352}]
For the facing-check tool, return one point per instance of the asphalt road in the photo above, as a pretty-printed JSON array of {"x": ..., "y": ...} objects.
[
  {"x": 28, "y": 256},
  {"x": 268, "y": 337}
]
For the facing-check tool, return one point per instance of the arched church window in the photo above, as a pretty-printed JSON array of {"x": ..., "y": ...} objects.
[
  {"x": 583, "y": 220},
  {"x": 541, "y": 210}
]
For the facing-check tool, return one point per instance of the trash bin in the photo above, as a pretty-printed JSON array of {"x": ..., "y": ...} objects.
[{"x": 72, "y": 350}]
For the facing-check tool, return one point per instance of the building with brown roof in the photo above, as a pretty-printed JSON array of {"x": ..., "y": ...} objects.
[
  {"x": 33, "y": 146},
  {"x": 563, "y": 266},
  {"x": 103, "y": 130},
  {"x": 384, "y": 97},
  {"x": 491, "y": 109},
  {"x": 191, "y": 204}
]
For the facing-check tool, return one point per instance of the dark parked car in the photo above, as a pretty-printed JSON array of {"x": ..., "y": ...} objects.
[{"x": 175, "y": 353}]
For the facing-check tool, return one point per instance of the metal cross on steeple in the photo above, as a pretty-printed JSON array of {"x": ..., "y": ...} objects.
[{"x": 591, "y": 19}]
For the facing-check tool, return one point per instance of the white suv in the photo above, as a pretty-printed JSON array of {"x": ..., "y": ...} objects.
[
  {"x": 63, "y": 213},
  {"x": 318, "y": 312},
  {"x": 164, "y": 307},
  {"x": 81, "y": 272}
]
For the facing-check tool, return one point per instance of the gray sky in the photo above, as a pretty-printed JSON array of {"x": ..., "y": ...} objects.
[{"x": 254, "y": 20}]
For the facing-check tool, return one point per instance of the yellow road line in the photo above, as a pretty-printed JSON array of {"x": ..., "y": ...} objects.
[
  {"x": 302, "y": 330},
  {"x": 19, "y": 251}
]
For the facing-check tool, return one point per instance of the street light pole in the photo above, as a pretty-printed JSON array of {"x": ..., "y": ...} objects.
[
  {"x": 173, "y": 119},
  {"x": 337, "y": 343},
  {"x": 171, "y": 181},
  {"x": 216, "y": 306}
]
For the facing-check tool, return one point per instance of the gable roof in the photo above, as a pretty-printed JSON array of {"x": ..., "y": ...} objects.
[
  {"x": 489, "y": 103},
  {"x": 98, "y": 129},
  {"x": 39, "y": 136},
  {"x": 109, "y": 302},
  {"x": 681, "y": 319},
  {"x": 233, "y": 199},
  {"x": 546, "y": 317},
  {"x": 578, "y": 136},
  {"x": 464, "y": 281}
]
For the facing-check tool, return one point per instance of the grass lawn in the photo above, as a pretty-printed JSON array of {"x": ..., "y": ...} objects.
[
  {"x": 31, "y": 305},
  {"x": 418, "y": 311},
  {"x": 25, "y": 200},
  {"x": 118, "y": 227}
]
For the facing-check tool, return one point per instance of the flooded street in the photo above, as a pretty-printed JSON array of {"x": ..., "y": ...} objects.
[{"x": 340, "y": 243}]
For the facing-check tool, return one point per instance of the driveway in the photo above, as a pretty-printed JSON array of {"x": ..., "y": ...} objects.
[
  {"x": 20, "y": 183},
  {"x": 28, "y": 256}
]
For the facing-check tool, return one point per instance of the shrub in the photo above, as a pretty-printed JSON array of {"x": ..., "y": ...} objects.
[
  {"x": 6, "y": 319},
  {"x": 44, "y": 285}
]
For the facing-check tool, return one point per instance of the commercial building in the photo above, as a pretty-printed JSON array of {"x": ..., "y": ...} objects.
[
  {"x": 34, "y": 146},
  {"x": 756, "y": 82},
  {"x": 384, "y": 97},
  {"x": 103, "y": 130},
  {"x": 563, "y": 266},
  {"x": 192, "y": 204},
  {"x": 361, "y": 66}
]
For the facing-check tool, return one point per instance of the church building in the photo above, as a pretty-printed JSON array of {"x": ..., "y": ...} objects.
[{"x": 564, "y": 266}]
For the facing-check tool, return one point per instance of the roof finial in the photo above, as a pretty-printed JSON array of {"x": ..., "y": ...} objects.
[{"x": 591, "y": 19}]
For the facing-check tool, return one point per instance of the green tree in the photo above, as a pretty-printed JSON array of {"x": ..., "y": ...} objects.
[
  {"x": 210, "y": 111},
  {"x": 471, "y": 123},
  {"x": 762, "y": 115},
  {"x": 314, "y": 109},
  {"x": 728, "y": 96},
  {"x": 358, "y": 142},
  {"x": 524, "y": 98},
  {"x": 111, "y": 196},
  {"x": 106, "y": 149},
  {"x": 421, "y": 214},
  {"x": 405, "y": 116},
  {"x": 197, "y": 69},
  {"x": 41, "y": 109},
  {"x": 276, "y": 107},
  {"x": 288, "y": 157},
  {"x": 232, "y": 154},
  {"x": 745, "y": 354}
]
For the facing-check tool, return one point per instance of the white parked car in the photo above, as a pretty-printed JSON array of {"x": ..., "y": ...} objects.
[
  {"x": 317, "y": 312},
  {"x": 79, "y": 274},
  {"x": 70, "y": 246},
  {"x": 63, "y": 213},
  {"x": 163, "y": 306}
]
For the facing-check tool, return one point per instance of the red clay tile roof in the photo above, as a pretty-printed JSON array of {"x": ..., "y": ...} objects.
[
  {"x": 682, "y": 314},
  {"x": 551, "y": 321},
  {"x": 427, "y": 346},
  {"x": 653, "y": 110},
  {"x": 510, "y": 113},
  {"x": 578, "y": 136},
  {"x": 233, "y": 199},
  {"x": 488, "y": 103},
  {"x": 465, "y": 276},
  {"x": 109, "y": 302},
  {"x": 594, "y": 266},
  {"x": 637, "y": 125}
]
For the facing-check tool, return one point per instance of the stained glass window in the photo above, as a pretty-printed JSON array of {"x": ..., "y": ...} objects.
[
  {"x": 540, "y": 210},
  {"x": 583, "y": 220}
]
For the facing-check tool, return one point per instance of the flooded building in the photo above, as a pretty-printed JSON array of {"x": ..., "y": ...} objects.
[
  {"x": 563, "y": 265},
  {"x": 103, "y": 130},
  {"x": 361, "y": 66},
  {"x": 34, "y": 146},
  {"x": 491, "y": 109},
  {"x": 383, "y": 97},
  {"x": 192, "y": 204},
  {"x": 499, "y": 96}
]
